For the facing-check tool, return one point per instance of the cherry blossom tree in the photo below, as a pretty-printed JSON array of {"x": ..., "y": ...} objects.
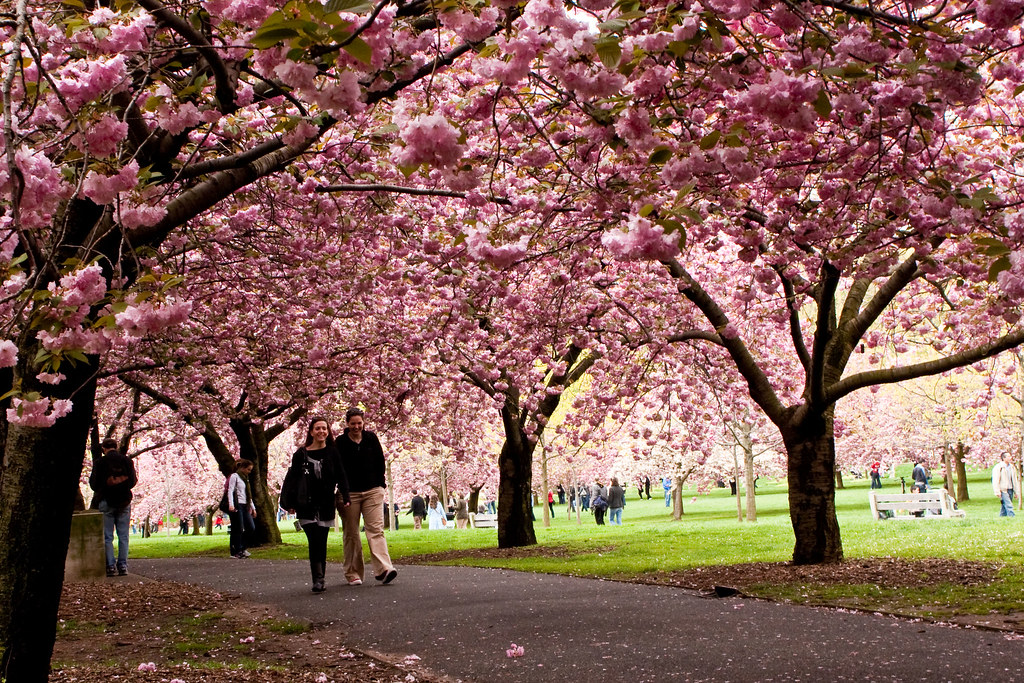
[{"x": 121, "y": 125}]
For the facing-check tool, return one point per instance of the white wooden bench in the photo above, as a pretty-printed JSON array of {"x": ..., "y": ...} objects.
[
  {"x": 934, "y": 504},
  {"x": 482, "y": 520}
]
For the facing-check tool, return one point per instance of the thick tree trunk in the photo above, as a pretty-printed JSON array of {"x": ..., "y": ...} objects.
[
  {"x": 253, "y": 446},
  {"x": 839, "y": 479},
  {"x": 961, "y": 472},
  {"x": 474, "y": 498},
  {"x": 515, "y": 467},
  {"x": 810, "y": 449},
  {"x": 41, "y": 471}
]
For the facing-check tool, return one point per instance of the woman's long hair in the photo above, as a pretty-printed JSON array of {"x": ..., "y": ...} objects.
[{"x": 309, "y": 430}]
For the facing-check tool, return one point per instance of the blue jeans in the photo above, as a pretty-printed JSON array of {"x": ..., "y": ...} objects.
[
  {"x": 242, "y": 527},
  {"x": 615, "y": 516},
  {"x": 116, "y": 519},
  {"x": 668, "y": 498},
  {"x": 1006, "y": 504}
]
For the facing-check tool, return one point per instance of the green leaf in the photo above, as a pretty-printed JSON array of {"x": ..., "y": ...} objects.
[
  {"x": 271, "y": 37},
  {"x": 354, "y": 6},
  {"x": 690, "y": 213},
  {"x": 710, "y": 140},
  {"x": 609, "y": 51},
  {"x": 660, "y": 155},
  {"x": 359, "y": 49},
  {"x": 613, "y": 25},
  {"x": 671, "y": 226},
  {"x": 822, "y": 105},
  {"x": 647, "y": 210},
  {"x": 76, "y": 354},
  {"x": 998, "y": 266}
]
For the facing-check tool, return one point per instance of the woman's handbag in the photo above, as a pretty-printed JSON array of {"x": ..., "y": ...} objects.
[{"x": 298, "y": 488}]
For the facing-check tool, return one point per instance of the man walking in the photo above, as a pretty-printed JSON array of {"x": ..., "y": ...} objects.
[
  {"x": 1005, "y": 483},
  {"x": 418, "y": 510},
  {"x": 113, "y": 477}
]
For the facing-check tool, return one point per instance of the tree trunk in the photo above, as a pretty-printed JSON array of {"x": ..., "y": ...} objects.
[
  {"x": 811, "y": 456},
  {"x": 677, "y": 498},
  {"x": 253, "y": 445},
  {"x": 748, "y": 466},
  {"x": 961, "y": 472},
  {"x": 839, "y": 479},
  {"x": 515, "y": 468},
  {"x": 736, "y": 478},
  {"x": 474, "y": 498},
  {"x": 41, "y": 472},
  {"x": 545, "y": 487},
  {"x": 947, "y": 470},
  {"x": 210, "y": 512}
]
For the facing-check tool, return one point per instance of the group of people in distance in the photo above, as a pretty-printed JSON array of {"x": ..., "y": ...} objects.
[
  {"x": 435, "y": 513},
  {"x": 344, "y": 475}
]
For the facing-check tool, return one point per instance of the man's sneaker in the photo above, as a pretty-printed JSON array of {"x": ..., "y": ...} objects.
[
  {"x": 122, "y": 571},
  {"x": 355, "y": 582},
  {"x": 245, "y": 553},
  {"x": 111, "y": 570},
  {"x": 390, "y": 576}
]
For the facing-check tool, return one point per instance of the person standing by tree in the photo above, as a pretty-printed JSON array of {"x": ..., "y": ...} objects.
[
  {"x": 418, "y": 510},
  {"x": 314, "y": 485},
  {"x": 363, "y": 460},
  {"x": 919, "y": 475},
  {"x": 616, "y": 501},
  {"x": 240, "y": 510},
  {"x": 461, "y": 512},
  {"x": 1005, "y": 483},
  {"x": 113, "y": 478}
]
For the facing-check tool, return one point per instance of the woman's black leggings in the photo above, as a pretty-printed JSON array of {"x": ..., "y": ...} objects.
[{"x": 316, "y": 536}]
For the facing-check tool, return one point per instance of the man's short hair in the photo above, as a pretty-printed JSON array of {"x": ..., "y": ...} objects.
[{"x": 109, "y": 444}]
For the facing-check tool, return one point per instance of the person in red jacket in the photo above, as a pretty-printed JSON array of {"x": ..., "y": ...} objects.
[{"x": 876, "y": 475}]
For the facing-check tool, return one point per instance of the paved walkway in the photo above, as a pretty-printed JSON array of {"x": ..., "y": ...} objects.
[{"x": 460, "y": 621}]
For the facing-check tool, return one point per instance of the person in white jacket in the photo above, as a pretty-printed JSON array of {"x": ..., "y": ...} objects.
[{"x": 1005, "y": 483}]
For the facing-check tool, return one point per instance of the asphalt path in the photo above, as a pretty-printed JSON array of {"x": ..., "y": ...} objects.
[{"x": 461, "y": 621}]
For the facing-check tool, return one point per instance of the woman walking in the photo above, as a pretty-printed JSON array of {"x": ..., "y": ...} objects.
[
  {"x": 240, "y": 510},
  {"x": 436, "y": 516},
  {"x": 616, "y": 501},
  {"x": 363, "y": 460},
  {"x": 314, "y": 486}
]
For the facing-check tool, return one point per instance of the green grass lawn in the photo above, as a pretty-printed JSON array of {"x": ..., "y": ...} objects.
[{"x": 650, "y": 541}]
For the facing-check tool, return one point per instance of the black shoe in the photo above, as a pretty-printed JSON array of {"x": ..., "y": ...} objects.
[
  {"x": 122, "y": 571},
  {"x": 111, "y": 570},
  {"x": 318, "y": 587},
  {"x": 388, "y": 576}
]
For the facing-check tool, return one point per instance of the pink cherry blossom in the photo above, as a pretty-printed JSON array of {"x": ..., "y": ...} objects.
[
  {"x": 8, "y": 353},
  {"x": 429, "y": 139},
  {"x": 642, "y": 239}
]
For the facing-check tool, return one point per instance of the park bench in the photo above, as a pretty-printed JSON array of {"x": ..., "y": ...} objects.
[
  {"x": 934, "y": 504},
  {"x": 482, "y": 520}
]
